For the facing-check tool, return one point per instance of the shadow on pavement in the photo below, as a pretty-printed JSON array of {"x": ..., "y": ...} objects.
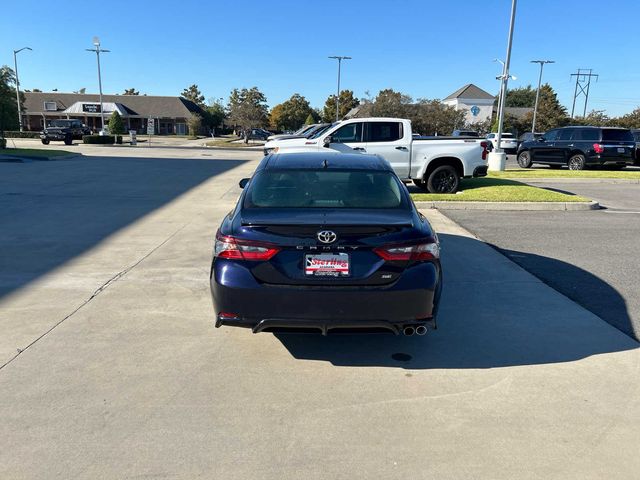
[
  {"x": 51, "y": 212},
  {"x": 493, "y": 314}
]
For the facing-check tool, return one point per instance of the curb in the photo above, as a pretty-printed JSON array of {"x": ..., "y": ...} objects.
[
  {"x": 523, "y": 206},
  {"x": 29, "y": 158},
  {"x": 577, "y": 180}
]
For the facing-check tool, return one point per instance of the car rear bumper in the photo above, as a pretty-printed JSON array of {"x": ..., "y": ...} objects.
[
  {"x": 480, "y": 171},
  {"x": 239, "y": 300},
  {"x": 609, "y": 160}
]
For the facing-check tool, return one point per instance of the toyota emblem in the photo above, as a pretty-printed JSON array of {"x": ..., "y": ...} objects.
[{"x": 327, "y": 236}]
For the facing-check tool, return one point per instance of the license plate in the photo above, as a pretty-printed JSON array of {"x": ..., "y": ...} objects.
[
  {"x": 620, "y": 150},
  {"x": 327, "y": 265}
]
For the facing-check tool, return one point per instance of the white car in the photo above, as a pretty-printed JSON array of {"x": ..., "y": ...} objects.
[
  {"x": 508, "y": 142},
  {"x": 435, "y": 164}
]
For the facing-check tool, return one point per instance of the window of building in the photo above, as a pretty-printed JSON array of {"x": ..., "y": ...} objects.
[{"x": 50, "y": 106}]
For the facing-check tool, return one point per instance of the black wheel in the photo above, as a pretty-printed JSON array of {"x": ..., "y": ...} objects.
[
  {"x": 577, "y": 162},
  {"x": 420, "y": 184},
  {"x": 555, "y": 166},
  {"x": 68, "y": 140},
  {"x": 524, "y": 159},
  {"x": 45, "y": 141},
  {"x": 443, "y": 179}
]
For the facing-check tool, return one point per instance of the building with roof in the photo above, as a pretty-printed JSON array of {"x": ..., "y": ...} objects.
[
  {"x": 477, "y": 103},
  {"x": 170, "y": 114}
]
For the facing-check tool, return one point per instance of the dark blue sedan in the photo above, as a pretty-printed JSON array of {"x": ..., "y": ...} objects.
[{"x": 326, "y": 242}]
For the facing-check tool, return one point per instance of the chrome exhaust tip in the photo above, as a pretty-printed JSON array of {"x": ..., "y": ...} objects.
[
  {"x": 408, "y": 331},
  {"x": 421, "y": 330}
]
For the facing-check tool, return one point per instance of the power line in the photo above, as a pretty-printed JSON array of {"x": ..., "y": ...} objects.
[{"x": 583, "y": 82}]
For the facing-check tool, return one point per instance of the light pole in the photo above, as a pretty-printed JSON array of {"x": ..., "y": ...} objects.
[
  {"x": 497, "y": 158},
  {"x": 15, "y": 65},
  {"x": 535, "y": 108},
  {"x": 98, "y": 50},
  {"x": 339, "y": 58}
]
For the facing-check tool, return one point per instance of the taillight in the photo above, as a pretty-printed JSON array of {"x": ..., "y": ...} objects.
[
  {"x": 598, "y": 148},
  {"x": 232, "y": 248},
  {"x": 416, "y": 252},
  {"x": 484, "y": 146}
]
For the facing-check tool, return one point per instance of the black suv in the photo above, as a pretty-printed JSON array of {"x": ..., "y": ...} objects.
[
  {"x": 636, "y": 136},
  {"x": 65, "y": 130},
  {"x": 580, "y": 147}
]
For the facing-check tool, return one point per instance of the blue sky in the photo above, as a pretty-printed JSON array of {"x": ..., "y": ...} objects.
[{"x": 426, "y": 49}]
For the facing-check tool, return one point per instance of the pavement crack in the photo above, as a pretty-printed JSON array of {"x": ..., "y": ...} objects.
[{"x": 97, "y": 292}]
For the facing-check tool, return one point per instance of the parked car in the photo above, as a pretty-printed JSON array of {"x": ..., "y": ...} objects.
[
  {"x": 305, "y": 132},
  {"x": 63, "y": 130},
  {"x": 465, "y": 133},
  {"x": 435, "y": 164},
  {"x": 326, "y": 241},
  {"x": 636, "y": 136},
  {"x": 259, "y": 134},
  {"x": 579, "y": 148},
  {"x": 528, "y": 136},
  {"x": 508, "y": 142}
]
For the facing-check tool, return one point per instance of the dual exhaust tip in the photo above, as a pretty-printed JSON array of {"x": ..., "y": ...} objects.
[{"x": 419, "y": 330}]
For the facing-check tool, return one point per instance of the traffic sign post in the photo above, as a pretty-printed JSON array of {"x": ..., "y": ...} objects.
[{"x": 151, "y": 128}]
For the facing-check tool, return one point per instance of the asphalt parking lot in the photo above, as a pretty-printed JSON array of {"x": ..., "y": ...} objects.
[
  {"x": 603, "y": 243},
  {"x": 110, "y": 366}
]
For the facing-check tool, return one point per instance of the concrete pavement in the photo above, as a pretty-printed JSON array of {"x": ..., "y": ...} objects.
[{"x": 127, "y": 377}]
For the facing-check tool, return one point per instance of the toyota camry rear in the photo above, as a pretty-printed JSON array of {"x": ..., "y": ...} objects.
[{"x": 326, "y": 242}]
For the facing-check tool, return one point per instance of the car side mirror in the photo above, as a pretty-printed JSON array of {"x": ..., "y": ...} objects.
[
  {"x": 541, "y": 139},
  {"x": 243, "y": 183},
  {"x": 326, "y": 143}
]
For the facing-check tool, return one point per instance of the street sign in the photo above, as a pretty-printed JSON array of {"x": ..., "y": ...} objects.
[{"x": 151, "y": 126}]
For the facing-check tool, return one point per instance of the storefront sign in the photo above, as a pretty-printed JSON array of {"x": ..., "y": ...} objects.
[{"x": 91, "y": 107}]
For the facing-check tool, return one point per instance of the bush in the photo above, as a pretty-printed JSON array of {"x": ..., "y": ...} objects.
[
  {"x": 3, "y": 143},
  {"x": 115, "y": 124},
  {"x": 102, "y": 139},
  {"x": 17, "y": 134}
]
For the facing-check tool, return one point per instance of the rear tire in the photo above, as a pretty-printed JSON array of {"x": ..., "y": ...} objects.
[
  {"x": 45, "y": 141},
  {"x": 577, "y": 162},
  {"x": 443, "y": 179},
  {"x": 68, "y": 140},
  {"x": 524, "y": 159}
]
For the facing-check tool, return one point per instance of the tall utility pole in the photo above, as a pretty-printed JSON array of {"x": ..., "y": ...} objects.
[
  {"x": 497, "y": 159},
  {"x": 339, "y": 58},
  {"x": 535, "y": 108},
  {"x": 583, "y": 82},
  {"x": 98, "y": 50},
  {"x": 15, "y": 65}
]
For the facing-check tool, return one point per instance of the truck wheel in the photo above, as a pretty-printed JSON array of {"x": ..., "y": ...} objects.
[
  {"x": 443, "y": 179},
  {"x": 577, "y": 162},
  {"x": 524, "y": 159},
  {"x": 45, "y": 141},
  {"x": 68, "y": 140},
  {"x": 420, "y": 184}
]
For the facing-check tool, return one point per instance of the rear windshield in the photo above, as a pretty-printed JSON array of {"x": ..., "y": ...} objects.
[
  {"x": 324, "y": 189},
  {"x": 615, "y": 135}
]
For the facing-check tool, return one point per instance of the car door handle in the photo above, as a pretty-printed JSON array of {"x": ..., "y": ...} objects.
[
  {"x": 359, "y": 149},
  {"x": 404, "y": 149},
  {"x": 570, "y": 145}
]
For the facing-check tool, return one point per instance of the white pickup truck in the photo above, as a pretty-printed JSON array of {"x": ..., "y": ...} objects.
[{"x": 435, "y": 164}]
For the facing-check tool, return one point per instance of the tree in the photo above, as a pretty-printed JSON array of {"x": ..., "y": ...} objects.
[
  {"x": 194, "y": 122},
  {"x": 551, "y": 113},
  {"x": 347, "y": 102},
  {"x": 214, "y": 114},
  {"x": 8, "y": 106},
  {"x": 521, "y": 97},
  {"x": 310, "y": 120},
  {"x": 432, "y": 117},
  {"x": 248, "y": 109},
  {"x": 597, "y": 118},
  {"x": 389, "y": 103},
  {"x": 116, "y": 127},
  {"x": 630, "y": 120},
  {"x": 291, "y": 114},
  {"x": 194, "y": 94},
  {"x": 131, "y": 91}
]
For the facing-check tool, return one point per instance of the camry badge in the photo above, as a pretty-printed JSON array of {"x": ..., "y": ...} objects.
[{"x": 327, "y": 236}]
